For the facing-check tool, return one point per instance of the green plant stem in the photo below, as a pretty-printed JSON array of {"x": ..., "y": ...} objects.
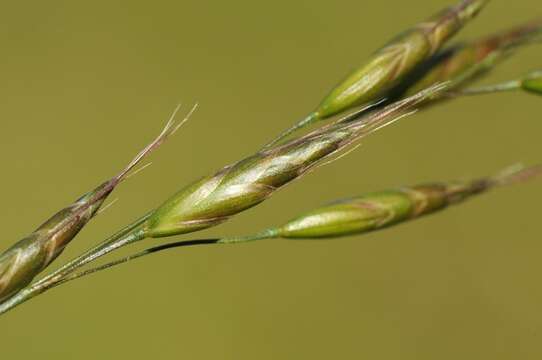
[
  {"x": 490, "y": 89},
  {"x": 77, "y": 275},
  {"x": 307, "y": 120},
  {"x": 70, "y": 274},
  {"x": 127, "y": 235},
  {"x": 267, "y": 234}
]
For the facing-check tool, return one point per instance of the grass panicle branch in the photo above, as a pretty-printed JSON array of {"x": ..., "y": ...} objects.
[
  {"x": 360, "y": 214},
  {"x": 531, "y": 83}
]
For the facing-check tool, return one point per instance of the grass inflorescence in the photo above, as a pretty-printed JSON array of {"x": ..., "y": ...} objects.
[{"x": 413, "y": 70}]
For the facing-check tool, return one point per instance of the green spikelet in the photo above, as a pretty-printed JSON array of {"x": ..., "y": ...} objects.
[
  {"x": 237, "y": 187},
  {"x": 376, "y": 211},
  {"x": 388, "y": 66},
  {"x": 380, "y": 210}
]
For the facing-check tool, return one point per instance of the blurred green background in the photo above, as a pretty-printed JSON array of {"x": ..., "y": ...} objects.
[{"x": 86, "y": 84}]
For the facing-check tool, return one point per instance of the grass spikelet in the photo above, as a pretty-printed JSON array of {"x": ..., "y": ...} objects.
[
  {"x": 388, "y": 66},
  {"x": 380, "y": 210},
  {"x": 237, "y": 187},
  {"x": 27, "y": 258}
]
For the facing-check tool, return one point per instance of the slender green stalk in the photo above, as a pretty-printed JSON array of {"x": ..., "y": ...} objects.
[
  {"x": 390, "y": 65},
  {"x": 185, "y": 243},
  {"x": 531, "y": 83},
  {"x": 490, "y": 89}
]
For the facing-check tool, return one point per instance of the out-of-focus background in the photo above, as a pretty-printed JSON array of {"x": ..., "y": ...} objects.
[{"x": 85, "y": 85}]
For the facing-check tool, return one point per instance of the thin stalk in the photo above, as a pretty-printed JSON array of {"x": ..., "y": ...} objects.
[
  {"x": 301, "y": 124},
  {"x": 489, "y": 89},
  {"x": 532, "y": 82},
  {"x": 103, "y": 248},
  {"x": 264, "y": 235},
  {"x": 77, "y": 275}
]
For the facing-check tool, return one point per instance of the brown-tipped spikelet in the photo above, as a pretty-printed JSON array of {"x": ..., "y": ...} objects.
[
  {"x": 27, "y": 258},
  {"x": 237, "y": 187},
  {"x": 388, "y": 66},
  {"x": 378, "y": 210}
]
